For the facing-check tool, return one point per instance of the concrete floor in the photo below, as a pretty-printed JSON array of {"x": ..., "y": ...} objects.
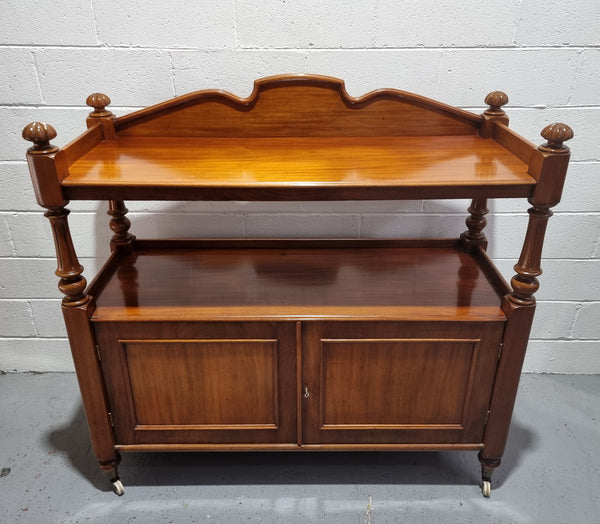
[{"x": 550, "y": 473}]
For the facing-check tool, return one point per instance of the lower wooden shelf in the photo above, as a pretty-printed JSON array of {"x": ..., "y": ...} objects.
[{"x": 299, "y": 280}]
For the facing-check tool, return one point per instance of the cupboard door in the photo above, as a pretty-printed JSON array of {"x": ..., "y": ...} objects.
[
  {"x": 397, "y": 383},
  {"x": 213, "y": 383}
]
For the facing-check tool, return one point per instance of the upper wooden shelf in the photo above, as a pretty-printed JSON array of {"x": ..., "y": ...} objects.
[
  {"x": 296, "y": 137},
  {"x": 307, "y": 167}
]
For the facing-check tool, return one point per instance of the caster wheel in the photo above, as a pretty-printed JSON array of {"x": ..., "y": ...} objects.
[
  {"x": 117, "y": 486},
  {"x": 486, "y": 488}
]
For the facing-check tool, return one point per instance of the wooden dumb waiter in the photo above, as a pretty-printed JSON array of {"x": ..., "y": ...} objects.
[{"x": 298, "y": 344}]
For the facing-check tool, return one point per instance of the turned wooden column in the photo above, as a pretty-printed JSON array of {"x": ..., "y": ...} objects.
[
  {"x": 72, "y": 284},
  {"x": 120, "y": 224},
  {"x": 553, "y": 159},
  {"x": 47, "y": 166},
  {"x": 474, "y": 236},
  {"x": 122, "y": 240},
  {"x": 41, "y": 158},
  {"x": 549, "y": 167}
]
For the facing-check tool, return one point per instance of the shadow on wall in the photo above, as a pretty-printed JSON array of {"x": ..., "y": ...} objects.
[{"x": 354, "y": 219}]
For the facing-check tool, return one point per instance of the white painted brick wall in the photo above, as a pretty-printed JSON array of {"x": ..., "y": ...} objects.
[
  {"x": 305, "y": 24},
  {"x": 365, "y": 70},
  {"x": 567, "y": 23},
  {"x": 45, "y": 23},
  {"x": 53, "y": 54},
  {"x": 229, "y": 69},
  {"x": 435, "y": 23},
  {"x": 173, "y": 24},
  {"x": 131, "y": 76}
]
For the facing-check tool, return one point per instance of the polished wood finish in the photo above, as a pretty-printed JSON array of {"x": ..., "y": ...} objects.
[
  {"x": 72, "y": 284},
  {"x": 295, "y": 280},
  {"x": 516, "y": 144},
  {"x": 195, "y": 382},
  {"x": 40, "y": 134},
  {"x": 120, "y": 224},
  {"x": 390, "y": 382},
  {"x": 92, "y": 385},
  {"x": 298, "y": 106},
  {"x": 84, "y": 143},
  {"x": 494, "y": 114},
  {"x": 101, "y": 115},
  {"x": 476, "y": 222},
  {"x": 519, "y": 305},
  {"x": 358, "y": 167},
  {"x": 298, "y": 344},
  {"x": 47, "y": 166}
]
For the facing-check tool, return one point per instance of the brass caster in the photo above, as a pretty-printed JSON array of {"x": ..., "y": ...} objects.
[
  {"x": 486, "y": 489},
  {"x": 117, "y": 486}
]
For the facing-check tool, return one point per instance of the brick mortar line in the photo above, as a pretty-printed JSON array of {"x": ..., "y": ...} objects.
[
  {"x": 242, "y": 48},
  {"x": 42, "y": 339},
  {"x": 562, "y": 340}
]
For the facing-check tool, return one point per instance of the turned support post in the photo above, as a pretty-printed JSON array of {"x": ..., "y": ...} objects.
[
  {"x": 549, "y": 167},
  {"x": 474, "y": 236},
  {"x": 553, "y": 159},
  {"x": 47, "y": 166},
  {"x": 44, "y": 165},
  {"x": 119, "y": 223},
  {"x": 525, "y": 283},
  {"x": 71, "y": 284}
]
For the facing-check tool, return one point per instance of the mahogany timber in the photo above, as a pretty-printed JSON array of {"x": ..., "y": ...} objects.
[
  {"x": 281, "y": 344},
  {"x": 279, "y": 168},
  {"x": 381, "y": 382},
  {"x": 195, "y": 382},
  {"x": 295, "y": 281},
  {"x": 513, "y": 142},
  {"x": 298, "y": 106}
]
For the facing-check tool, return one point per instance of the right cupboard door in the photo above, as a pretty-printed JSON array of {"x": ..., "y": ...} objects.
[{"x": 397, "y": 382}]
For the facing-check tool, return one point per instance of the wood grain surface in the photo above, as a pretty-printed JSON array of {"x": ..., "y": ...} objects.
[{"x": 297, "y": 283}]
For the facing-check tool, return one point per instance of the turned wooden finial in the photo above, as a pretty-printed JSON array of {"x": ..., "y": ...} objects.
[
  {"x": 556, "y": 134},
  {"x": 98, "y": 101},
  {"x": 496, "y": 99},
  {"x": 40, "y": 134}
]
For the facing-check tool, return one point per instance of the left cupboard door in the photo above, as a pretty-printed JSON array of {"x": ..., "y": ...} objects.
[{"x": 178, "y": 383}]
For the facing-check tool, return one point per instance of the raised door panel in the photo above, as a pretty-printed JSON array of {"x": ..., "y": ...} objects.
[
  {"x": 203, "y": 383},
  {"x": 398, "y": 383},
  {"x": 195, "y": 384}
]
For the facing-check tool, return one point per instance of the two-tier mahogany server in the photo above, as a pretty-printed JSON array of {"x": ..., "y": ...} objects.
[{"x": 342, "y": 344}]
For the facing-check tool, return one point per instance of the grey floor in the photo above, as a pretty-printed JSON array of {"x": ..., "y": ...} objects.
[{"x": 550, "y": 472}]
